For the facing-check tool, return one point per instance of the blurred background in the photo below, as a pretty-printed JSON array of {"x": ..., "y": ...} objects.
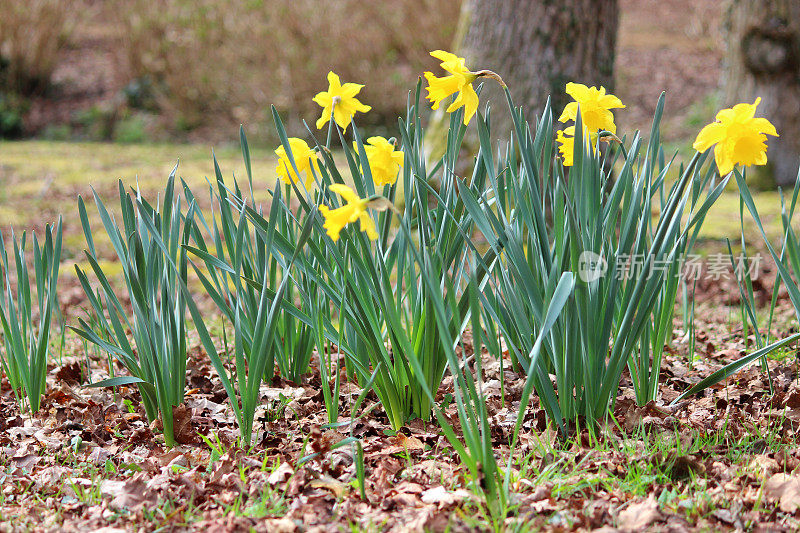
[{"x": 191, "y": 71}]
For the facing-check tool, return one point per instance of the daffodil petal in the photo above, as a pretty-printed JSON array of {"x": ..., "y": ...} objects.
[
  {"x": 341, "y": 117},
  {"x": 345, "y": 192},
  {"x": 450, "y": 62},
  {"x": 334, "y": 82},
  {"x": 359, "y": 107},
  {"x": 441, "y": 88},
  {"x": 570, "y": 112},
  {"x": 722, "y": 158},
  {"x": 566, "y": 147},
  {"x": 610, "y": 101},
  {"x": 443, "y": 55},
  {"x": 577, "y": 90},
  {"x": 368, "y": 225},
  {"x": 764, "y": 126},
  {"x": 467, "y": 98},
  {"x": 709, "y": 136},
  {"x": 350, "y": 90}
]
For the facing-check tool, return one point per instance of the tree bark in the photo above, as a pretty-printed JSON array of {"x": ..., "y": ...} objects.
[
  {"x": 537, "y": 46},
  {"x": 763, "y": 59}
]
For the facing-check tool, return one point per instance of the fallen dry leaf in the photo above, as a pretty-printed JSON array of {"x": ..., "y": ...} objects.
[
  {"x": 133, "y": 494},
  {"x": 281, "y": 474},
  {"x": 441, "y": 496},
  {"x": 182, "y": 425},
  {"x": 785, "y": 489},
  {"x": 326, "y": 482},
  {"x": 400, "y": 444},
  {"x": 281, "y": 525},
  {"x": 71, "y": 374},
  {"x": 640, "y": 515}
]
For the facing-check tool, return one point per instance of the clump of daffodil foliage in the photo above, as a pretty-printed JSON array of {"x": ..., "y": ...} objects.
[
  {"x": 400, "y": 263},
  {"x": 386, "y": 258}
]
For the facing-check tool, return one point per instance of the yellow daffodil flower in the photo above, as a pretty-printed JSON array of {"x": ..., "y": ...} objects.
[
  {"x": 459, "y": 81},
  {"x": 354, "y": 209},
  {"x": 566, "y": 144},
  {"x": 384, "y": 160},
  {"x": 740, "y": 137},
  {"x": 340, "y": 99},
  {"x": 304, "y": 158},
  {"x": 595, "y": 107}
]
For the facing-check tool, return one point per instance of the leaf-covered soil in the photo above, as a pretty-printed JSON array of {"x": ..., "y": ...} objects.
[{"x": 725, "y": 460}]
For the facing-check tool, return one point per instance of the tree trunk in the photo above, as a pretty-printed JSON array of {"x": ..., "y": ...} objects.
[
  {"x": 537, "y": 46},
  {"x": 763, "y": 59}
]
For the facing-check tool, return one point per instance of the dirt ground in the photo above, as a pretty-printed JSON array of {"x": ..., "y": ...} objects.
[{"x": 726, "y": 460}]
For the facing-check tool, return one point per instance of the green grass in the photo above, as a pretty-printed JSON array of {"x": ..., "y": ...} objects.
[
  {"x": 85, "y": 164},
  {"x": 723, "y": 219},
  {"x": 639, "y": 464},
  {"x": 47, "y": 176},
  {"x": 42, "y": 179}
]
